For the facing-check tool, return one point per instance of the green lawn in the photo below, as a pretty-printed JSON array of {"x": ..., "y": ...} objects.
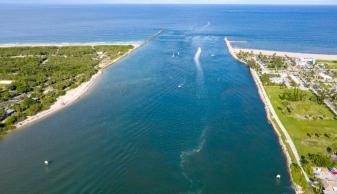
[
  {"x": 311, "y": 125},
  {"x": 329, "y": 64}
]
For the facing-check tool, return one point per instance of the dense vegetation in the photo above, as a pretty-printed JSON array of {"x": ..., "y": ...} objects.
[
  {"x": 39, "y": 75},
  {"x": 273, "y": 62}
]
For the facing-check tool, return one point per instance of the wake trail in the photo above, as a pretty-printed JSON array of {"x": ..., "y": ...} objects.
[
  {"x": 200, "y": 74},
  {"x": 201, "y": 94},
  {"x": 197, "y": 60}
]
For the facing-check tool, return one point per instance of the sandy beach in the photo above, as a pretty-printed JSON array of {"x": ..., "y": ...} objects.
[
  {"x": 73, "y": 95},
  {"x": 233, "y": 51},
  {"x": 62, "y": 44},
  {"x": 289, "y": 54}
]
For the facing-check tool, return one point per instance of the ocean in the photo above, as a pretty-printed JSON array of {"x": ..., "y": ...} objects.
[{"x": 178, "y": 115}]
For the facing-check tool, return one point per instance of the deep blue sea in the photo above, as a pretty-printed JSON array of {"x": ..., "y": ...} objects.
[{"x": 177, "y": 116}]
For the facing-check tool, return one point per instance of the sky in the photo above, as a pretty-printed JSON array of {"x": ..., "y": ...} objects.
[{"x": 287, "y": 2}]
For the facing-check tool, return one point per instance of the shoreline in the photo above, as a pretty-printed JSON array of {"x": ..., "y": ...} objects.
[
  {"x": 75, "y": 94},
  {"x": 65, "y": 44},
  {"x": 289, "y": 54},
  {"x": 271, "y": 114},
  {"x": 278, "y": 128}
]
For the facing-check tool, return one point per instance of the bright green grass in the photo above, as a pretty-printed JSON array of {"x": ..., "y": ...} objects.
[
  {"x": 299, "y": 179},
  {"x": 298, "y": 125},
  {"x": 329, "y": 64}
]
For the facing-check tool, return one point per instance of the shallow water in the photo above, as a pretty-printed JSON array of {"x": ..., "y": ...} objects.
[{"x": 177, "y": 116}]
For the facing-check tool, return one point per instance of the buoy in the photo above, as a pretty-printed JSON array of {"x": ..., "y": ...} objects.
[
  {"x": 278, "y": 176},
  {"x": 46, "y": 162}
]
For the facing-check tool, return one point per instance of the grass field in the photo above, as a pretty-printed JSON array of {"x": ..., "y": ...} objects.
[
  {"x": 329, "y": 64},
  {"x": 312, "y": 126}
]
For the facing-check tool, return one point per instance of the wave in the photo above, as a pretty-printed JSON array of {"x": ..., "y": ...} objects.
[
  {"x": 206, "y": 26},
  {"x": 200, "y": 28},
  {"x": 16, "y": 44}
]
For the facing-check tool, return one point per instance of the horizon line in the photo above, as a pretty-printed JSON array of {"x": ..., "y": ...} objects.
[{"x": 247, "y": 4}]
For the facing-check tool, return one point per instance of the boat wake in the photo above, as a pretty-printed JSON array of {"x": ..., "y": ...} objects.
[
  {"x": 197, "y": 60},
  {"x": 200, "y": 74},
  {"x": 187, "y": 155}
]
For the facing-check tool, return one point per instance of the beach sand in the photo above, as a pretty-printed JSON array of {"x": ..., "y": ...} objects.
[
  {"x": 73, "y": 95},
  {"x": 233, "y": 51},
  {"x": 64, "y": 44},
  {"x": 289, "y": 54}
]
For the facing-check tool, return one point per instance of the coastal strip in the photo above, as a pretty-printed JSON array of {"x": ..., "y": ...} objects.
[
  {"x": 289, "y": 54},
  {"x": 271, "y": 115},
  {"x": 75, "y": 94}
]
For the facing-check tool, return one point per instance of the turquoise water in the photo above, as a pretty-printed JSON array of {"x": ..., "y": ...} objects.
[{"x": 177, "y": 116}]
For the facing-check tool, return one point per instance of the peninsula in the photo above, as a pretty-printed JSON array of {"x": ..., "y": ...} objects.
[
  {"x": 299, "y": 91},
  {"x": 37, "y": 80}
]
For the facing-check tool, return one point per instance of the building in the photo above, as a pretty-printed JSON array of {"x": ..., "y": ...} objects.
[
  {"x": 309, "y": 61},
  {"x": 306, "y": 62},
  {"x": 328, "y": 180},
  {"x": 9, "y": 112},
  {"x": 325, "y": 77},
  {"x": 276, "y": 80}
]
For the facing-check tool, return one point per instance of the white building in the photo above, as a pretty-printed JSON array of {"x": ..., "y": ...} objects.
[
  {"x": 306, "y": 62},
  {"x": 325, "y": 77},
  {"x": 276, "y": 80}
]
